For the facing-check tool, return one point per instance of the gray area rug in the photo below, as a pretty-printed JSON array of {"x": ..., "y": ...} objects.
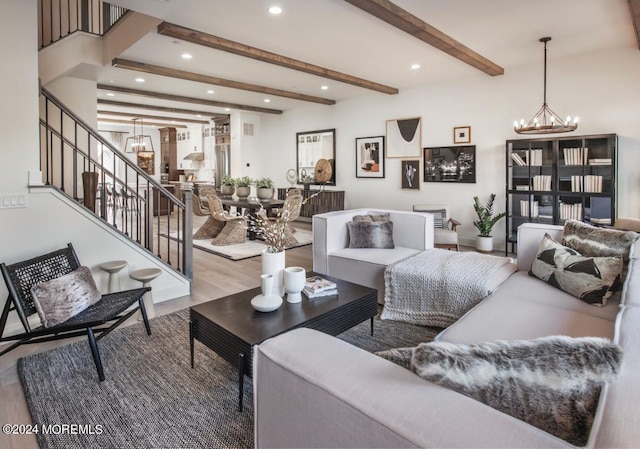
[{"x": 151, "y": 397}]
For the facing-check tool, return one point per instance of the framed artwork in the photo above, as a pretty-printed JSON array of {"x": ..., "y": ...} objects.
[
  {"x": 370, "y": 157},
  {"x": 450, "y": 164},
  {"x": 411, "y": 174},
  {"x": 462, "y": 134},
  {"x": 404, "y": 137},
  {"x": 147, "y": 161}
]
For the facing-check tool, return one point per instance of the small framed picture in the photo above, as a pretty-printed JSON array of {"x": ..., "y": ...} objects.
[
  {"x": 462, "y": 134},
  {"x": 370, "y": 157},
  {"x": 411, "y": 174}
]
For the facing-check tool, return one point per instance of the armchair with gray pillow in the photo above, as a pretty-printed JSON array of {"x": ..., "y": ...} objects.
[{"x": 445, "y": 232}]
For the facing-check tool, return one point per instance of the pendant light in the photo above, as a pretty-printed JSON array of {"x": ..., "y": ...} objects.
[
  {"x": 545, "y": 121},
  {"x": 138, "y": 143}
]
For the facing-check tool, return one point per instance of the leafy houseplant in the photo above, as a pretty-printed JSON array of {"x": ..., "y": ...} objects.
[
  {"x": 485, "y": 223},
  {"x": 243, "y": 186},
  {"x": 264, "y": 188},
  {"x": 227, "y": 185}
]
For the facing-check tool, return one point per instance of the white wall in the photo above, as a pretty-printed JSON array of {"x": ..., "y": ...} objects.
[{"x": 603, "y": 89}]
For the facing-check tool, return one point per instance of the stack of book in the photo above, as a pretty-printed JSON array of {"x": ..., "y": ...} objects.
[
  {"x": 599, "y": 161},
  {"x": 317, "y": 287},
  {"x": 518, "y": 160},
  {"x": 571, "y": 211},
  {"x": 593, "y": 183},
  {"x": 542, "y": 182},
  {"x": 524, "y": 208},
  {"x": 576, "y": 183},
  {"x": 575, "y": 156}
]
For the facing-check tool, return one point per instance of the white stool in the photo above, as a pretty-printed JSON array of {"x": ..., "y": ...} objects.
[
  {"x": 146, "y": 275},
  {"x": 113, "y": 268}
]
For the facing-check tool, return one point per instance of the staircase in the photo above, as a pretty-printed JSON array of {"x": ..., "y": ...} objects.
[{"x": 79, "y": 162}]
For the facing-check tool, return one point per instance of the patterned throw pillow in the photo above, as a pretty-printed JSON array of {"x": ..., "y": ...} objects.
[
  {"x": 587, "y": 278},
  {"x": 560, "y": 378},
  {"x": 62, "y": 298},
  {"x": 364, "y": 234},
  {"x": 440, "y": 220}
]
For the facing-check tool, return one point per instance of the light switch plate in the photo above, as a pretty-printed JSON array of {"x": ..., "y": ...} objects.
[{"x": 13, "y": 200}]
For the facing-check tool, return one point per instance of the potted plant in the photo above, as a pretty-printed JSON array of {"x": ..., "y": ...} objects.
[
  {"x": 243, "y": 186},
  {"x": 264, "y": 188},
  {"x": 227, "y": 185},
  {"x": 485, "y": 223}
]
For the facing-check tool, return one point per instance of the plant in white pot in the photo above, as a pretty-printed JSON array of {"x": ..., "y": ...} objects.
[
  {"x": 227, "y": 185},
  {"x": 243, "y": 186},
  {"x": 485, "y": 223},
  {"x": 264, "y": 188}
]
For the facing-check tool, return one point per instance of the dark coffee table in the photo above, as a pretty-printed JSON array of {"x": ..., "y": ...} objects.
[{"x": 230, "y": 326}]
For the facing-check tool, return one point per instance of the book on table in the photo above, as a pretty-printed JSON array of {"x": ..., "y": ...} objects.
[{"x": 316, "y": 286}]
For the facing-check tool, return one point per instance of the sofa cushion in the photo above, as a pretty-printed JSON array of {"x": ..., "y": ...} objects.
[
  {"x": 363, "y": 234},
  {"x": 561, "y": 378},
  {"x": 445, "y": 236},
  {"x": 587, "y": 278},
  {"x": 599, "y": 242},
  {"x": 372, "y": 217},
  {"x": 63, "y": 298}
]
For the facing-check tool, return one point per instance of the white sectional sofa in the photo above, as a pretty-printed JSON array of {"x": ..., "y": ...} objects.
[
  {"x": 313, "y": 390},
  {"x": 412, "y": 233}
]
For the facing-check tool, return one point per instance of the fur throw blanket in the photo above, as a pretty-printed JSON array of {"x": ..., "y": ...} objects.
[{"x": 552, "y": 383}]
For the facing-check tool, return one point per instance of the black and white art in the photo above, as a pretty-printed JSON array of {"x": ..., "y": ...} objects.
[
  {"x": 411, "y": 175},
  {"x": 370, "y": 157},
  {"x": 404, "y": 137},
  {"x": 450, "y": 164}
]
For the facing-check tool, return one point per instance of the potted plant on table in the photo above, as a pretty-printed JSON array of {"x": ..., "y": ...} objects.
[
  {"x": 227, "y": 185},
  {"x": 243, "y": 186},
  {"x": 485, "y": 223},
  {"x": 264, "y": 188}
]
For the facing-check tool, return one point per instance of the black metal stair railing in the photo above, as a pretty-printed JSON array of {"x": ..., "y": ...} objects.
[
  {"x": 60, "y": 18},
  {"x": 85, "y": 166}
]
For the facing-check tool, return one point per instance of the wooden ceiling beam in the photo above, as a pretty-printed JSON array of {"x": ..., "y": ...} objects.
[
  {"x": 124, "y": 104},
  {"x": 634, "y": 9},
  {"x": 214, "y": 80},
  {"x": 400, "y": 18},
  {"x": 161, "y": 96},
  {"x": 153, "y": 117},
  {"x": 129, "y": 122},
  {"x": 220, "y": 43}
]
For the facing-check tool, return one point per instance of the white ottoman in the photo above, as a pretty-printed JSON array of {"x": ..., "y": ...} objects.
[{"x": 146, "y": 275}]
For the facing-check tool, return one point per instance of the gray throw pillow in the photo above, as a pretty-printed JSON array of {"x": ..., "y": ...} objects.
[
  {"x": 599, "y": 242},
  {"x": 372, "y": 217},
  {"x": 587, "y": 278},
  {"x": 62, "y": 298},
  {"x": 363, "y": 234},
  {"x": 552, "y": 383}
]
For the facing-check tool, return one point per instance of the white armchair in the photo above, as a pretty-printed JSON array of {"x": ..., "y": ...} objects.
[{"x": 445, "y": 233}]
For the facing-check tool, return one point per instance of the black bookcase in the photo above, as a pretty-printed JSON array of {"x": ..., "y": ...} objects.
[{"x": 550, "y": 180}]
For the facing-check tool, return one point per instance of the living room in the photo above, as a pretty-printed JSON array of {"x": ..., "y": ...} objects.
[{"x": 599, "y": 84}]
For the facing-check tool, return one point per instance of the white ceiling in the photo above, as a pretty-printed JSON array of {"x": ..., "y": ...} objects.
[{"x": 339, "y": 36}]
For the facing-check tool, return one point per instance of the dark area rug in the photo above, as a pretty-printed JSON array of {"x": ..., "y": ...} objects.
[{"x": 151, "y": 397}]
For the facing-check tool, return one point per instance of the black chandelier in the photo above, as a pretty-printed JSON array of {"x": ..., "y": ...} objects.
[{"x": 545, "y": 121}]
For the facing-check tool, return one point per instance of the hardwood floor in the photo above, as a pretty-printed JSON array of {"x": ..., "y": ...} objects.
[{"x": 213, "y": 277}]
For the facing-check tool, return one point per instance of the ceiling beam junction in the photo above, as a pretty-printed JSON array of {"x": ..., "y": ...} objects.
[
  {"x": 150, "y": 107},
  {"x": 161, "y": 96},
  {"x": 400, "y": 18},
  {"x": 214, "y": 80},
  {"x": 222, "y": 44},
  {"x": 634, "y": 9}
]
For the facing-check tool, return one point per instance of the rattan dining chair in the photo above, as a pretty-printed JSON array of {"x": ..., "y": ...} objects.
[
  {"x": 234, "y": 227},
  {"x": 290, "y": 212}
]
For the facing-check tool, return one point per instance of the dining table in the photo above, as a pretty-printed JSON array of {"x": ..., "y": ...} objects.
[{"x": 250, "y": 207}]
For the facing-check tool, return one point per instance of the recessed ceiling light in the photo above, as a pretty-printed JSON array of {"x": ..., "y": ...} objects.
[
  {"x": 227, "y": 109},
  {"x": 111, "y": 81},
  {"x": 275, "y": 10},
  {"x": 210, "y": 91},
  {"x": 186, "y": 56},
  {"x": 415, "y": 66},
  {"x": 110, "y": 94},
  {"x": 324, "y": 87},
  {"x": 139, "y": 80},
  {"x": 266, "y": 100},
  {"x": 173, "y": 121},
  {"x": 199, "y": 115},
  {"x": 176, "y": 42}
]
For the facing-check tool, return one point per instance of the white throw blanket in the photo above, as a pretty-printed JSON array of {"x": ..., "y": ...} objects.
[{"x": 436, "y": 287}]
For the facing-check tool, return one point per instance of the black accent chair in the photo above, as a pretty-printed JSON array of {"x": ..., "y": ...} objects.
[{"x": 96, "y": 321}]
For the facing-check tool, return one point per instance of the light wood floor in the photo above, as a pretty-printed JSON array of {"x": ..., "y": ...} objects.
[{"x": 213, "y": 277}]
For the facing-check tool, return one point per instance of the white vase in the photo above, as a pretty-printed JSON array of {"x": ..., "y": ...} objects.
[
  {"x": 273, "y": 264},
  {"x": 294, "y": 278},
  {"x": 267, "y": 301},
  {"x": 484, "y": 244}
]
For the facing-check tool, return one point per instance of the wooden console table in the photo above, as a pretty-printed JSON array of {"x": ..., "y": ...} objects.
[{"x": 327, "y": 201}]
